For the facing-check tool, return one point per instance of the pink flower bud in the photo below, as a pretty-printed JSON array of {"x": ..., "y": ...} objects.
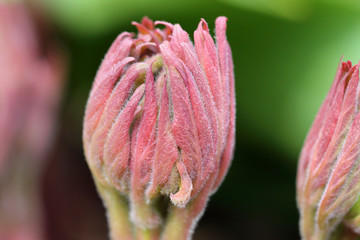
[
  {"x": 160, "y": 119},
  {"x": 328, "y": 179}
]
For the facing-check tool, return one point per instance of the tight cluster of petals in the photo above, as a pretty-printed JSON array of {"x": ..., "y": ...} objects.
[{"x": 160, "y": 118}]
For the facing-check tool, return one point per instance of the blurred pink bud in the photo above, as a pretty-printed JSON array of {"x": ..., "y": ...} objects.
[
  {"x": 31, "y": 79},
  {"x": 328, "y": 178},
  {"x": 160, "y": 119},
  {"x": 31, "y": 76}
]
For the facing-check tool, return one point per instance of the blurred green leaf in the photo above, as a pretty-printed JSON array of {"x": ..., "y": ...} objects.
[
  {"x": 96, "y": 16},
  {"x": 289, "y": 9},
  {"x": 353, "y": 5}
]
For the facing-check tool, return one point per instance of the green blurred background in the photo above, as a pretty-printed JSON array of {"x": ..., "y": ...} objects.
[{"x": 285, "y": 52}]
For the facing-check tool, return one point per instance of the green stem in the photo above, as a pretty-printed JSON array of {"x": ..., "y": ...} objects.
[
  {"x": 307, "y": 223},
  {"x": 117, "y": 213},
  {"x": 146, "y": 219},
  {"x": 147, "y": 234},
  {"x": 179, "y": 224}
]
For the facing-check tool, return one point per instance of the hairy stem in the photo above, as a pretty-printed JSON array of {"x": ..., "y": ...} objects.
[
  {"x": 117, "y": 213},
  {"x": 146, "y": 219},
  {"x": 147, "y": 234},
  {"x": 179, "y": 224}
]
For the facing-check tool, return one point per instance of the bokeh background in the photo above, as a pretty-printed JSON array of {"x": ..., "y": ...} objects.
[{"x": 285, "y": 52}]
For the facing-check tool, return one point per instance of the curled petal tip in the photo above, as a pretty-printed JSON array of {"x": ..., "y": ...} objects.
[
  {"x": 203, "y": 25},
  {"x": 346, "y": 66},
  {"x": 182, "y": 197},
  {"x": 167, "y": 24}
]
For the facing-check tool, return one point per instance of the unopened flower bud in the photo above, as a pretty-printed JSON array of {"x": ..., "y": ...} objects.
[
  {"x": 160, "y": 118},
  {"x": 328, "y": 178}
]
